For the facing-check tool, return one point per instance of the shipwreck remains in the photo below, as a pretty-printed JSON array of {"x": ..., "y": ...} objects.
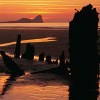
[{"x": 11, "y": 65}]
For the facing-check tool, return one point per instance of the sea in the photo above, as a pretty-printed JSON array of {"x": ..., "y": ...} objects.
[
  {"x": 33, "y": 25},
  {"x": 51, "y": 33},
  {"x": 54, "y": 33}
]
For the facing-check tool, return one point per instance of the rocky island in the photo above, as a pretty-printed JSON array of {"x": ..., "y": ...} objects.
[{"x": 37, "y": 19}]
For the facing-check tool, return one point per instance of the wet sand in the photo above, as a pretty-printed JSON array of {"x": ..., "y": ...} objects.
[
  {"x": 38, "y": 87},
  {"x": 34, "y": 86},
  {"x": 3, "y": 80},
  {"x": 42, "y": 86}
]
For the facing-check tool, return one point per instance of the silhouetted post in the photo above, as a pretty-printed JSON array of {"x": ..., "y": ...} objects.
[
  {"x": 56, "y": 61},
  {"x": 83, "y": 35},
  {"x": 18, "y": 47},
  {"x": 62, "y": 58},
  {"x": 11, "y": 65},
  {"x": 29, "y": 52},
  {"x": 48, "y": 59},
  {"x": 41, "y": 56}
]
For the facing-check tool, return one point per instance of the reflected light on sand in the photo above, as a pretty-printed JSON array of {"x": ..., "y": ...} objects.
[
  {"x": 12, "y": 56},
  {"x": 3, "y": 80},
  {"x": 47, "y": 39},
  {"x": 36, "y": 87},
  {"x": 37, "y": 93}
]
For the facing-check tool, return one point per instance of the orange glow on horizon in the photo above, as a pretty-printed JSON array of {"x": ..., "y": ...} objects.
[{"x": 49, "y": 9}]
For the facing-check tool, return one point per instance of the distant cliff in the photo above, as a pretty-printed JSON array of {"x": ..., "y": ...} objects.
[{"x": 37, "y": 19}]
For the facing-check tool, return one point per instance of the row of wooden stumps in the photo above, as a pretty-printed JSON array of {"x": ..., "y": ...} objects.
[
  {"x": 84, "y": 65},
  {"x": 62, "y": 68},
  {"x": 30, "y": 50}
]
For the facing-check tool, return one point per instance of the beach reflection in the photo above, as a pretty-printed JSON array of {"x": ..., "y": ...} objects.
[
  {"x": 3, "y": 80},
  {"x": 31, "y": 92},
  {"x": 47, "y": 39},
  {"x": 38, "y": 87}
]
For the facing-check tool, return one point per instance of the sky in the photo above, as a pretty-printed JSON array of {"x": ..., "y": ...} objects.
[{"x": 51, "y": 10}]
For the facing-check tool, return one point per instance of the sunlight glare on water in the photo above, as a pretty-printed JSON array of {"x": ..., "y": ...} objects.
[
  {"x": 33, "y": 25},
  {"x": 47, "y": 39}
]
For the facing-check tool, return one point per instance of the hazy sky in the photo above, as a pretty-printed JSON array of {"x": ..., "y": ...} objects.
[{"x": 51, "y": 10}]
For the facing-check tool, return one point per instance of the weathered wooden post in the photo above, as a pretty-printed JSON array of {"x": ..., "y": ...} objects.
[
  {"x": 18, "y": 47},
  {"x": 41, "y": 56},
  {"x": 83, "y": 35},
  {"x": 62, "y": 59},
  {"x": 48, "y": 59},
  {"x": 29, "y": 52}
]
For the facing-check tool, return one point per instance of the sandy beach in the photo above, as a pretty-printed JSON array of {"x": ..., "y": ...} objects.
[
  {"x": 37, "y": 87},
  {"x": 42, "y": 86}
]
